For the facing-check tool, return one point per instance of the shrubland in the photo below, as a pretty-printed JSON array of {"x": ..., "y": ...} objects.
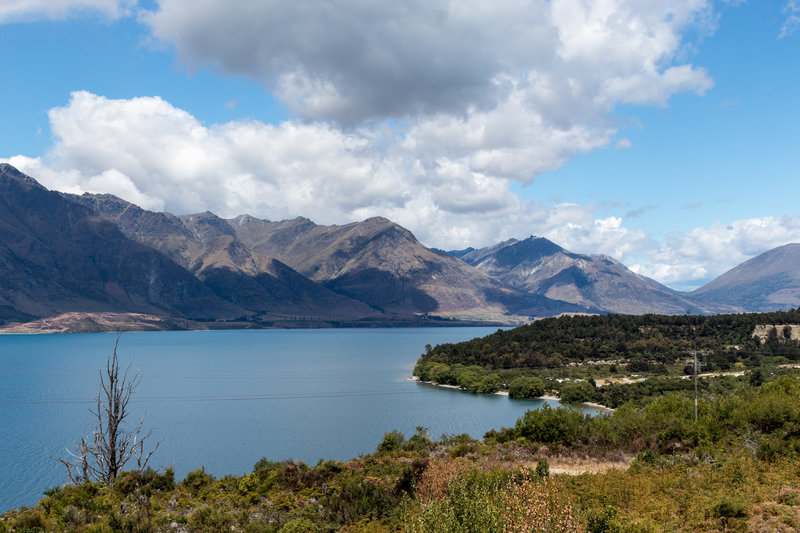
[
  {"x": 734, "y": 469},
  {"x": 648, "y": 466}
]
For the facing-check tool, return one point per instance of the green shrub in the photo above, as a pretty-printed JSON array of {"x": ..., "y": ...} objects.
[
  {"x": 576, "y": 392},
  {"x": 526, "y": 387},
  {"x": 729, "y": 509},
  {"x": 392, "y": 441},
  {"x": 29, "y": 521},
  {"x": 553, "y": 426},
  {"x": 542, "y": 468},
  {"x": 196, "y": 480},
  {"x": 299, "y": 525},
  {"x": 603, "y": 522}
]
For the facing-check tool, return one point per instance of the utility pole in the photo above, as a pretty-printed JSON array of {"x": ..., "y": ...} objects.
[{"x": 695, "y": 386}]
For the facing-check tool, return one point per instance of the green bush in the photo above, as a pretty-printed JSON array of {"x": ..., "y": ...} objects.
[
  {"x": 553, "y": 426},
  {"x": 576, "y": 392},
  {"x": 196, "y": 480},
  {"x": 526, "y": 387},
  {"x": 299, "y": 525},
  {"x": 392, "y": 441},
  {"x": 729, "y": 509}
]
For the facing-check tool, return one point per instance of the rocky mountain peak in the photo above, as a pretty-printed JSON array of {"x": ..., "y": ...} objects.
[{"x": 10, "y": 172}]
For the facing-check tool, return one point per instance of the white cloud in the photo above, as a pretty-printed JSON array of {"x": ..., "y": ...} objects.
[
  {"x": 162, "y": 158},
  {"x": 623, "y": 144},
  {"x": 511, "y": 88},
  {"x": 506, "y": 90},
  {"x": 690, "y": 259},
  {"x": 792, "y": 22},
  {"x": 26, "y": 10}
]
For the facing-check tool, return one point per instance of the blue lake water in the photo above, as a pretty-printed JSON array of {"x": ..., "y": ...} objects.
[{"x": 223, "y": 399}]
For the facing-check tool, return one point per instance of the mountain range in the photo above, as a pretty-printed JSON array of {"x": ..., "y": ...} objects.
[{"x": 97, "y": 253}]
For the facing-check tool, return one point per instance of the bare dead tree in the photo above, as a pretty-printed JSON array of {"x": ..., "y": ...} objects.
[{"x": 102, "y": 455}]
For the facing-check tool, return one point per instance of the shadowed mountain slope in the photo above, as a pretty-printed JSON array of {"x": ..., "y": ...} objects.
[
  {"x": 381, "y": 263},
  {"x": 57, "y": 256},
  {"x": 207, "y": 246},
  {"x": 767, "y": 282},
  {"x": 540, "y": 266}
]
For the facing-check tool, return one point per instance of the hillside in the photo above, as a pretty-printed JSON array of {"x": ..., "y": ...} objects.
[
  {"x": 633, "y": 357},
  {"x": 539, "y": 266},
  {"x": 56, "y": 256},
  {"x": 208, "y": 247},
  {"x": 379, "y": 262},
  {"x": 768, "y": 282}
]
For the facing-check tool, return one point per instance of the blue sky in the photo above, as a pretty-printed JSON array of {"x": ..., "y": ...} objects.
[{"x": 665, "y": 136}]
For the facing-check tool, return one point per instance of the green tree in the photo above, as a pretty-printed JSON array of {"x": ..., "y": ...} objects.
[
  {"x": 576, "y": 392},
  {"x": 526, "y": 387}
]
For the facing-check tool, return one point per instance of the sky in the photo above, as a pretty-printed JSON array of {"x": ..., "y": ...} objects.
[{"x": 663, "y": 134}]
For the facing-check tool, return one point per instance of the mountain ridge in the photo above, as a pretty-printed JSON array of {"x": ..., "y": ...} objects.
[
  {"x": 62, "y": 253},
  {"x": 539, "y": 265}
]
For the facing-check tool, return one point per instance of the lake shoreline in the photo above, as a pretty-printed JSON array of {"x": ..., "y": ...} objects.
[{"x": 546, "y": 397}]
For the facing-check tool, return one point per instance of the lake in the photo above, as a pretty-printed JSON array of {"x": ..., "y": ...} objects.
[{"x": 224, "y": 399}]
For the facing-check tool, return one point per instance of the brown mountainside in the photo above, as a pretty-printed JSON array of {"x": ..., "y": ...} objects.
[
  {"x": 540, "y": 266},
  {"x": 767, "y": 282},
  {"x": 57, "y": 256},
  {"x": 208, "y": 247},
  {"x": 379, "y": 262}
]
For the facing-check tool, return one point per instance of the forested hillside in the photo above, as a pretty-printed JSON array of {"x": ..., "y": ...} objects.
[{"x": 629, "y": 357}]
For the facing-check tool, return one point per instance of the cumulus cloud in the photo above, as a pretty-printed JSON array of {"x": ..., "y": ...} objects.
[
  {"x": 162, "y": 158},
  {"x": 687, "y": 260},
  {"x": 364, "y": 59},
  {"x": 25, "y": 10},
  {"x": 509, "y": 89}
]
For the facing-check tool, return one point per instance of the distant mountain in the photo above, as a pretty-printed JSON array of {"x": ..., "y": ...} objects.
[
  {"x": 207, "y": 246},
  {"x": 455, "y": 253},
  {"x": 101, "y": 255},
  {"x": 382, "y": 264},
  {"x": 767, "y": 282},
  {"x": 539, "y": 266},
  {"x": 57, "y": 256},
  {"x": 373, "y": 269}
]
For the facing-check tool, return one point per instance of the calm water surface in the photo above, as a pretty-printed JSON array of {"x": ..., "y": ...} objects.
[{"x": 223, "y": 399}]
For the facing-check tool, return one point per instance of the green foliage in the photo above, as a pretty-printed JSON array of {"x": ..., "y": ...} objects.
[
  {"x": 419, "y": 441},
  {"x": 526, "y": 387},
  {"x": 542, "y": 468},
  {"x": 603, "y": 521},
  {"x": 553, "y": 426},
  {"x": 645, "y": 343},
  {"x": 576, "y": 392},
  {"x": 472, "y": 503},
  {"x": 197, "y": 480},
  {"x": 29, "y": 521},
  {"x": 299, "y": 525},
  {"x": 392, "y": 441},
  {"x": 729, "y": 509}
]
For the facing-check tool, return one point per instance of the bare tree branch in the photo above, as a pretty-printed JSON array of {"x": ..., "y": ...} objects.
[{"x": 103, "y": 455}]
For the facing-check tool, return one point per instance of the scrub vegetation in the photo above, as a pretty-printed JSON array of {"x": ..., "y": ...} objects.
[
  {"x": 648, "y": 466},
  {"x": 613, "y": 359}
]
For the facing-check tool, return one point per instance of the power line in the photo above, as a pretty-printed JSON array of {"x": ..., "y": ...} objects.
[{"x": 264, "y": 397}]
